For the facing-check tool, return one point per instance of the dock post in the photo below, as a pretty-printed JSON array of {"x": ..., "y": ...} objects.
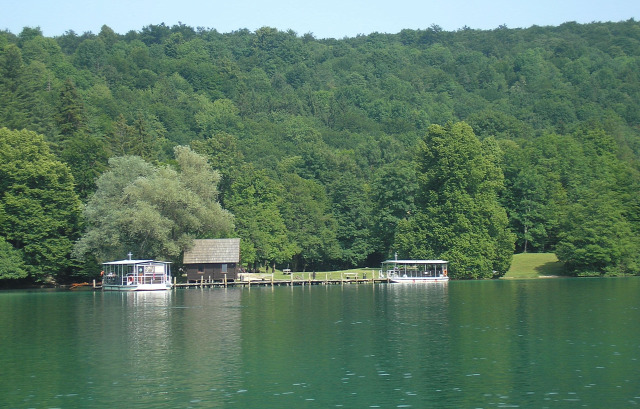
[
  {"x": 292, "y": 278},
  {"x": 225, "y": 280},
  {"x": 202, "y": 282},
  {"x": 94, "y": 283}
]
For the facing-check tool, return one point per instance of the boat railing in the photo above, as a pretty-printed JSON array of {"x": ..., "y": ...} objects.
[
  {"x": 133, "y": 279},
  {"x": 413, "y": 273}
]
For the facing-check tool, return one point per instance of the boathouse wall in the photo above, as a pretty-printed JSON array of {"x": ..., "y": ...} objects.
[
  {"x": 211, "y": 259},
  {"x": 211, "y": 272}
]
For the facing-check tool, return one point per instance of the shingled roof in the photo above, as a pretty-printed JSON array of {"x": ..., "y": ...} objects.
[{"x": 206, "y": 251}]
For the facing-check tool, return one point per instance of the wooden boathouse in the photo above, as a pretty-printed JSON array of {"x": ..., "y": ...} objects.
[{"x": 212, "y": 260}]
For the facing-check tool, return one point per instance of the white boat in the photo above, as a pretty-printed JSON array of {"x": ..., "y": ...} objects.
[
  {"x": 136, "y": 275},
  {"x": 415, "y": 271}
]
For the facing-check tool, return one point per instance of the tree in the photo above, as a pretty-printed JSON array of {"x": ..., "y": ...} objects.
[
  {"x": 39, "y": 209},
  {"x": 83, "y": 152},
  {"x": 394, "y": 193},
  {"x": 87, "y": 157},
  {"x": 91, "y": 54},
  {"x": 153, "y": 211},
  {"x": 224, "y": 155},
  {"x": 12, "y": 265},
  {"x": 121, "y": 137},
  {"x": 71, "y": 117},
  {"x": 306, "y": 211},
  {"x": 146, "y": 136},
  {"x": 458, "y": 217},
  {"x": 352, "y": 213},
  {"x": 255, "y": 199},
  {"x": 11, "y": 71},
  {"x": 218, "y": 116},
  {"x": 532, "y": 198},
  {"x": 596, "y": 237}
]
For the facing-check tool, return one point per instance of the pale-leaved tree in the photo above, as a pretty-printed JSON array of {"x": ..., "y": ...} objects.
[{"x": 153, "y": 212}]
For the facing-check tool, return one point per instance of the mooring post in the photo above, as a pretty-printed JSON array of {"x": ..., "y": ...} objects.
[
  {"x": 94, "y": 283},
  {"x": 225, "y": 280},
  {"x": 271, "y": 279}
]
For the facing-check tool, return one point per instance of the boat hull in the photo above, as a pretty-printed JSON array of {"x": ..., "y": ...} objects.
[
  {"x": 412, "y": 280},
  {"x": 137, "y": 287}
]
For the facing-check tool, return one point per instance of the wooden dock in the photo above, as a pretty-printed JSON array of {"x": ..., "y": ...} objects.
[{"x": 271, "y": 282}]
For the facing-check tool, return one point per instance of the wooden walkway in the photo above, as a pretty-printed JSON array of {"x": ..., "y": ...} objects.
[{"x": 271, "y": 283}]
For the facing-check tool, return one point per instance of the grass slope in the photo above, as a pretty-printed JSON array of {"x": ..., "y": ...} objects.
[{"x": 534, "y": 265}]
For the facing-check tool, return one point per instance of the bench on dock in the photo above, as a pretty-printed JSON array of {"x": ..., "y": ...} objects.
[{"x": 350, "y": 276}]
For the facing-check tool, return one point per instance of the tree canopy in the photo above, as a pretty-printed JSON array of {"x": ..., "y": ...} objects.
[
  {"x": 330, "y": 153},
  {"x": 458, "y": 216},
  {"x": 39, "y": 208},
  {"x": 153, "y": 211}
]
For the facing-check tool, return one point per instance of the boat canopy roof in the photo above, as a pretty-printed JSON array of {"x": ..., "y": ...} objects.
[
  {"x": 132, "y": 262},
  {"x": 415, "y": 262}
]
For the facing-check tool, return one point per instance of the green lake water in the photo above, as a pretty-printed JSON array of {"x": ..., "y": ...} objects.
[{"x": 557, "y": 343}]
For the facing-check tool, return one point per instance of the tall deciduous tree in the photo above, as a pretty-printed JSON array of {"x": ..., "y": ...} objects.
[
  {"x": 458, "y": 216},
  {"x": 255, "y": 199},
  {"x": 39, "y": 209},
  {"x": 85, "y": 153},
  {"x": 597, "y": 235},
  {"x": 394, "y": 194},
  {"x": 153, "y": 211},
  {"x": 11, "y": 262},
  {"x": 352, "y": 212},
  {"x": 306, "y": 211},
  {"x": 597, "y": 238}
]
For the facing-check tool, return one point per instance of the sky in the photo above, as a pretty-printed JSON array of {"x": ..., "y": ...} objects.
[{"x": 322, "y": 18}]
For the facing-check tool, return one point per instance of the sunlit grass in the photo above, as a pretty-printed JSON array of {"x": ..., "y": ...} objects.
[
  {"x": 329, "y": 275},
  {"x": 534, "y": 265}
]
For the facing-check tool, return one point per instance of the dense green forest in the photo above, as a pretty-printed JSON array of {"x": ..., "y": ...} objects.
[{"x": 321, "y": 153}]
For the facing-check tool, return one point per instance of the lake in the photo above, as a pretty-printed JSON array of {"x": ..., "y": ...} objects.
[{"x": 546, "y": 343}]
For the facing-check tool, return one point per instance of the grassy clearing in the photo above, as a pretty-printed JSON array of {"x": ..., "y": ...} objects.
[
  {"x": 534, "y": 265},
  {"x": 329, "y": 275}
]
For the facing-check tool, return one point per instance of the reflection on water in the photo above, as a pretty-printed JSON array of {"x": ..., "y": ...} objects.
[
  {"x": 182, "y": 346},
  {"x": 144, "y": 349},
  {"x": 539, "y": 343}
]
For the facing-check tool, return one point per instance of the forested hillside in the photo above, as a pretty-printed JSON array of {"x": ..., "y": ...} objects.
[{"x": 468, "y": 145}]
